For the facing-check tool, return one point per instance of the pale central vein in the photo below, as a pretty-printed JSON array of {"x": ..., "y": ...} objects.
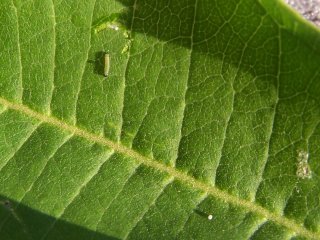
[{"x": 183, "y": 177}]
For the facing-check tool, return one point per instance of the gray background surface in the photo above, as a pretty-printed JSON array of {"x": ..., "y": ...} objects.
[{"x": 310, "y": 9}]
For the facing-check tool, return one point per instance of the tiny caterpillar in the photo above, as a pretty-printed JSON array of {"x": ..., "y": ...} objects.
[{"x": 106, "y": 64}]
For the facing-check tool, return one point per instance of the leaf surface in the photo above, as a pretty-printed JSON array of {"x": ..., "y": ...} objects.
[{"x": 209, "y": 108}]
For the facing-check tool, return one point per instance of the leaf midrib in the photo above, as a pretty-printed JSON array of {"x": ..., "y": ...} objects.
[{"x": 153, "y": 163}]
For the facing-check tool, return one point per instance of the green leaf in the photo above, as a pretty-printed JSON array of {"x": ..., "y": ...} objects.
[{"x": 211, "y": 107}]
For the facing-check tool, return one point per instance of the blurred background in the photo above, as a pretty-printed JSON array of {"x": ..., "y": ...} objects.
[{"x": 310, "y": 9}]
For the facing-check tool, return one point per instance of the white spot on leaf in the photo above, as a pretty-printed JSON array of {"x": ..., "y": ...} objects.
[{"x": 303, "y": 168}]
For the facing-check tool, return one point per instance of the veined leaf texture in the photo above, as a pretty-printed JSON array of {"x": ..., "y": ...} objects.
[{"x": 206, "y": 125}]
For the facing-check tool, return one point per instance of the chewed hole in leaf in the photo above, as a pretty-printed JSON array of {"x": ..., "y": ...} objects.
[{"x": 112, "y": 22}]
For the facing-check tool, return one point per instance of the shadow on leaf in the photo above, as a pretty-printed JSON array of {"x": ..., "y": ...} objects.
[
  {"x": 18, "y": 221},
  {"x": 98, "y": 63}
]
